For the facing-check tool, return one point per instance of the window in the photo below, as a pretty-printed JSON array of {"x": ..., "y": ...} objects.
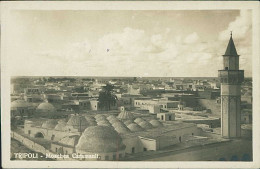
[
  {"x": 66, "y": 152},
  {"x": 29, "y": 131},
  {"x": 180, "y": 138},
  {"x": 52, "y": 137},
  {"x": 56, "y": 149},
  {"x": 170, "y": 118},
  {"x": 133, "y": 150},
  {"x": 106, "y": 157},
  {"x": 145, "y": 149},
  {"x": 161, "y": 117},
  {"x": 114, "y": 157},
  {"x": 226, "y": 68}
]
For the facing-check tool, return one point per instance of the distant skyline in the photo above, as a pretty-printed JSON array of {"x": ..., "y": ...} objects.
[{"x": 127, "y": 43}]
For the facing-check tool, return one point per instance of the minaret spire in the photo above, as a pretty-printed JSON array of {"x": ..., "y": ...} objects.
[{"x": 231, "y": 49}]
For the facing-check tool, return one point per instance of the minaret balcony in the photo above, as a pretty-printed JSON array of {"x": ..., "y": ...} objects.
[{"x": 231, "y": 76}]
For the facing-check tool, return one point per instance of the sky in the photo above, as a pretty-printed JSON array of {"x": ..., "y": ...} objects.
[{"x": 164, "y": 43}]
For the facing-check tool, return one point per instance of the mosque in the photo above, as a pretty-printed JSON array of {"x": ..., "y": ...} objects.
[{"x": 108, "y": 135}]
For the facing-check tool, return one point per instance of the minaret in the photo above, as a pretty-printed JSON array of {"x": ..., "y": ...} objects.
[{"x": 231, "y": 78}]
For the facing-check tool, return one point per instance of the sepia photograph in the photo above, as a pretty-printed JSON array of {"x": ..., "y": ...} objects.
[{"x": 129, "y": 84}]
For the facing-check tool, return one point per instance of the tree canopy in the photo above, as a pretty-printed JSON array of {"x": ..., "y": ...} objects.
[{"x": 106, "y": 97}]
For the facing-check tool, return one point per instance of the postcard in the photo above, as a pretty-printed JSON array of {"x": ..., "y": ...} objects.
[{"x": 130, "y": 84}]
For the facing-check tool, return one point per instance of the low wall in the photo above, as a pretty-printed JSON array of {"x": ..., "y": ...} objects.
[{"x": 34, "y": 146}]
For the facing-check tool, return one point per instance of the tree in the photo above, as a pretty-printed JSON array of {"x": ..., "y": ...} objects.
[{"x": 106, "y": 97}]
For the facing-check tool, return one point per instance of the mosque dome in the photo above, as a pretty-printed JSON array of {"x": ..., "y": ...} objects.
[
  {"x": 156, "y": 123},
  {"x": 19, "y": 104},
  {"x": 135, "y": 127},
  {"x": 101, "y": 118},
  {"x": 114, "y": 120},
  {"x": 118, "y": 124},
  {"x": 128, "y": 122},
  {"x": 60, "y": 126},
  {"x": 111, "y": 117},
  {"x": 46, "y": 108},
  {"x": 146, "y": 125},
  {"x": 89, "y": 118},
  {"x": 138, "y": 120},
  {"x": 100, "y": 139},
  {"x": 70, "y": 140},
  {"x": 124, "y": 115},
  {"x": 77, "y": 122},
  {"x": 122, "y": 130},
  {"x": 103, "y": 123},
  {"x": 49, "y": 124}
]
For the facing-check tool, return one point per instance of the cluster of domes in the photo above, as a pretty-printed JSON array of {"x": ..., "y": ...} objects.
[{"x": 79, "y": 122}]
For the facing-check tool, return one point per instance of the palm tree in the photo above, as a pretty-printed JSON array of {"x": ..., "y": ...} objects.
[{"x": 106, "y": 97}]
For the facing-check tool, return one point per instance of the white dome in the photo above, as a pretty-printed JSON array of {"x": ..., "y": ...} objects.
[
  {"x": 101, "y": 119},
  {"x": 60, "y": 126},
  {"x": 90, "y": 118},
  {"x": 46, "y": 108},
  {"x": 135, "y": 127},
  {"x": 99, "y": 116},
  {"x": 122, "y": 130},
  {"x": 70, "y": 140},
  {"x": 78, "y": 122},
  {"x": 114, "y": 120},
  {"x": 118, "y": 124},
  {"x": 138, "y": 120},
  {"x": 111, "y": 117},
  {"x": 128, "y": 122},
  {"x": 156, "y": 123},
  {"x": 100, "y": 139},
  {"x": 103, "y": 123},
  {"x": 50, "y": 124},
  {"x": 125, "y": 115},
  {"x": 146, "y": 125},
  {"x": 19, "y": 104}
]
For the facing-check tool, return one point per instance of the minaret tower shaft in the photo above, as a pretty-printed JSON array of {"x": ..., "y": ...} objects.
[{"x": 231, "y": 78}]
